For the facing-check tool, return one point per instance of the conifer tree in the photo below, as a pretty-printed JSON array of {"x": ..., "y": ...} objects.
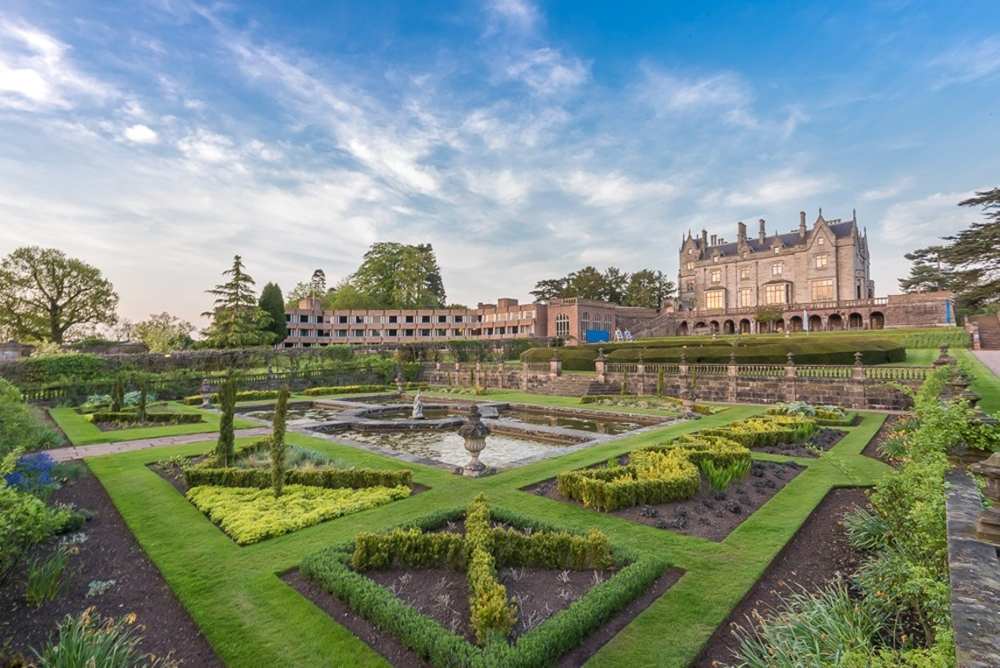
[
  {"x": 225, "y": 447},
  {"x": 118, "y": 394},
  {"x": 238, "y": 321},
  {"x": 142, "y": 404},
  {"x": 272, "y": 301},
  {"x": 278, "y": 442}
]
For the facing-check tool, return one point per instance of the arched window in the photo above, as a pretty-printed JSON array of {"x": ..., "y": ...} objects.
[
  {"x": 584, "y": 324},
  {"x": 607, "y": 323},
  {"x": 562, "y": 325}
]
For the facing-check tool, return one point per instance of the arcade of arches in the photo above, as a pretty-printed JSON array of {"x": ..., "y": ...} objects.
[{"x": 816, "y": 323}]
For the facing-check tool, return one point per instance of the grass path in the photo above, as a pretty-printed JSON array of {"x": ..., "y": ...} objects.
[{"x": 252, "y": 618}]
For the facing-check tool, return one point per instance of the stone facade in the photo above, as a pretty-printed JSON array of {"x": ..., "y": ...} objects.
[{"x": 829, "y": 262}]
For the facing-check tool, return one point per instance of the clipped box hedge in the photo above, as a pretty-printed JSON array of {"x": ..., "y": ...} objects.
[
  {"x": 343, "y": 389},
  {"x": 543, "y": 646},
  {"x": 245, "y": 395},
  {"x": 207, "y": 473},
  {"x": 132, "y": 417}
]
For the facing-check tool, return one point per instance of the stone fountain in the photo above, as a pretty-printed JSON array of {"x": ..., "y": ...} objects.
[{"x": 474, "y": 432}]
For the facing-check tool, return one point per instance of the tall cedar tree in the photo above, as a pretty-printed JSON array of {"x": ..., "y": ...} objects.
[
  {"x": 272, "y": 302},
  {"x": 278, "y": 442},
  {"x": 118, "y": 394},
  {"x": 237, "y": 319},
  {"x": 44, "y": 295},
  {"x": 225, "y": 448},
  {"x": 969, "y": 264}
]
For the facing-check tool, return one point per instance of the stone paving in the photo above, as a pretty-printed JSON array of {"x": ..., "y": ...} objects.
[
  {"x": 97, "y": 449},
  {"x": 991, "y": 358}
]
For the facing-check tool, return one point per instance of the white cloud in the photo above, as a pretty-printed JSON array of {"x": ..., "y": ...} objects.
[
  {"x": 783, "y": 186},
  {"x": 888, "y": 191},
  {"x": 668, "y": 93},
  {"x": 518, "y": 14},
  {"x": 614, "y": 189},
  {"x": 207, "y": 146},
  {"x": 922, "y": 222},
  {"x": 968, "y": 62},
  {"x": 548, "y": 71},
  {"x": 35, "y": 73},
  {"x": 141, "y": 134}
]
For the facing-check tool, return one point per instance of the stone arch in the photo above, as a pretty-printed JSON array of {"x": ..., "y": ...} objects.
[
  {"x": 729, "y": 327},
  {"x": 877, "y": 319},
  {"x": 835, "y": 322},
  {"x": 815, "y": 323},
  {"x": 795, "y": 323},
  {"x": 714, "y": 325},
  {"x": 700, "y": 327},
  {"x": 855, "y": 321},
  {"x": 682, "y": 329},
  {"x": 745, "y": 326}
]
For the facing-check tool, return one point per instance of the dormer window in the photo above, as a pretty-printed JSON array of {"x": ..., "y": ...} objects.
[
  {"x": 820, "y": 241},
  {"x": 715, "y": 259},
  {"x": 776, "y": 249}
]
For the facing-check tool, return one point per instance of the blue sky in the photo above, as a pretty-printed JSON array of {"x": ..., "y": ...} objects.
[{"x": 523, "y": 140}]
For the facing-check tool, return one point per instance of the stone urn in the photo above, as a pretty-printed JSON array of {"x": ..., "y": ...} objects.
[
  {"x": 474, "y": 432},
  {"x": 206, "y": 394},
  {"x": 988, "y": 522}
]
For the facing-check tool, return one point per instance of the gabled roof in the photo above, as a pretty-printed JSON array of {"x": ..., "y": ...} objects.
[{"x": 840, "y": 230}]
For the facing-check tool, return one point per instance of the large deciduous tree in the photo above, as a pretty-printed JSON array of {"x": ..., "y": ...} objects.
[
  {"x": 648, "y": 288},
  {"x": 163, "y": 333},
  {"x": 588, "y": 283},
  {"x": 237, "y": 320},
  {"x": 272, "y": 302},
  {"x": 44, "y": 295},
  {"x": 396, "y": 275}
]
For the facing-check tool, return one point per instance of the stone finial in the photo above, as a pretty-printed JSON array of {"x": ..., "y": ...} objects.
[
  {"x": 791, "y": 358},
  {"x": 640, "y": 357},
  {"x": 600, "y": 355},
  {"x": 988, "y": 522},
  {"x": 732, "y": 358},
  {"x": 944, "y": 359},
  {"x": 857, "y": 358},
  {"x": 555, "y": 356}
]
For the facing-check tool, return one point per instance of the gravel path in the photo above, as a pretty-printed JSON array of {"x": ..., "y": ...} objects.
[
  {"x": 991, "y": 358},
  {"x": 69, "y": 454}
]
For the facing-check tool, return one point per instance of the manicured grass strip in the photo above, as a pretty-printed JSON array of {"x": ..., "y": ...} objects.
[
  {"x": 81, "y": 432},
  {"x": 985, "y": 383}
]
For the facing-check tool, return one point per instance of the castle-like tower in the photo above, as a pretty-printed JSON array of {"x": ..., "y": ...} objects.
[{"x": 828, "y": 262}]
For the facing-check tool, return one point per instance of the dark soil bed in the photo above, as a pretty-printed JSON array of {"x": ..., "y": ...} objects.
[
  {"x": 813, "y": 558},
  {"x": 709, "y": 514},
  {"x": 872, "y": 449},
  {"x": 443, "y": 595},
  {"x": 822, "y": 440},
  {"x": 109, "y": 553}
]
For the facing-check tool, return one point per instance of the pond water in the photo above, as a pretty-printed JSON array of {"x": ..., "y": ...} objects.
[
  {"x": 448, "y": 447},
  {"x": 298, "y": 413},
  {"x": 611, "y": 425}
]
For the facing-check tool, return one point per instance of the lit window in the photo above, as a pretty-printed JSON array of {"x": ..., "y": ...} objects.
[
  {"x": 822, "y": 290},
  {"x": 776, "y": 249},
  {"x": 689, "y": 286},
  {"x": 715, "y": 299},
  {"x": 821, "y": 261},
  {"x": 777, "y": 294},
  {"x": 716, "y": 275},
  {"x": 688, "y": 266},
  {"x": 746, "y": 297},
  {"x": 562, "y": 325},
  {"x": 777, "y": 269},
  {"x": 745, "y": 272},
  {"x": 820, "y": 241},
  {"x": 690, "y": 250}
]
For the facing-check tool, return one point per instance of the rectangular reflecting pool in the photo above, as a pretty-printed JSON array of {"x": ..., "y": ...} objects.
[
  {"x": 448, "y": 447},
  {"x": 597, "y": 425}
]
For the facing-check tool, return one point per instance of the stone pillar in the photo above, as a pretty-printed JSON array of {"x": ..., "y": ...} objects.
[
  {"x": 599, "y": 366},
  {"x": 733, "y": 370},
  {"x": 790, "y": 366},
  {"x": 988, "y": 522},
  {"x": 858, "y": 370},
  {"x": 555, "y": 365},
  {"x": 480, "y": 380},
  {"x": 501, "y": 372},
  {"x": 682, "y": 366},
  {"x": 944, "y": 359}
]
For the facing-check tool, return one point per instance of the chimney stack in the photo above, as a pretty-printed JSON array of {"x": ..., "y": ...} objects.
[
  {"x": 704, "y": 239},
  {"x": 802, "y": 224},
  {"x": 741, "y": 232},
  {"x": 763, "y": 233},
  {"x": 714, "y": 239}
]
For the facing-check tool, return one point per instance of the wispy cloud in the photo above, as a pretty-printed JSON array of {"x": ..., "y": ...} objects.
[
  {"x": 786, "y": 185},
  {"x": 548, "y": 71},
  {"x": 36, "y": 74},
  {"x": 922, "y": 222},
  {"x": 888, "y": 191},
  {"x": 669, "y": 93},
  {"x": 519, "y": 15},
  {"x": 968, "y": 62}
]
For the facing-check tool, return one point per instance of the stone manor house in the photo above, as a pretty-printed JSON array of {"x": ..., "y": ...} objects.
[{"x": 818, "y": 278}]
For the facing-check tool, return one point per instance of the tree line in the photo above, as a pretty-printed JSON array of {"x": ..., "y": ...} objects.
[{"x": 646, "y": 287}]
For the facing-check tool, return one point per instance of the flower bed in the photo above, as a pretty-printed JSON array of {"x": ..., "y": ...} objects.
[
  {"x": 481, "y": 551},
  {"x": 829, "y": 416},
  {"x": 250, "y": 515}
]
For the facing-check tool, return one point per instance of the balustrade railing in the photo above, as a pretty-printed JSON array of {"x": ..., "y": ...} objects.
[
  {"x": 667, "y": 368},
  {"x": 619, "y": 367},
  {"x": 816, "y": 371},
  {"x": 898, "y": 372},
  {"x": 709, "y": 369},
  {"x": 538, "y": 367},
  {"x": 760, "y": 370}
]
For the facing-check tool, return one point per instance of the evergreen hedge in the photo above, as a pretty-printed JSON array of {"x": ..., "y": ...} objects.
[
  {"x": 130, "y": 417},
  {"x": 330, "y": 478}
]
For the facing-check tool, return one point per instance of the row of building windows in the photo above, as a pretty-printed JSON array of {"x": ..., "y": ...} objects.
[
  {"x": 777, "y": 269},
  {"x": 396, "y": 333},
  {"x": 777, "y": 293},
  {"x": 406, "y": 319}
]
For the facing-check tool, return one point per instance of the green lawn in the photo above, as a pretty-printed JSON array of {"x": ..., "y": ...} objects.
[
  {"x": 920, "y": 357},
  {"x": 81, "y": 432},
  {"x": 985, "y": 383},
  {"x": 252, "y": 618}
]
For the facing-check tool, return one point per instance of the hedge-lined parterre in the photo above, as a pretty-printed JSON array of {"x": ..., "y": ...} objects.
[
  {"x": 483, "y": 548},
  {"x": 132, "y": 417},
  {"x": 670, "y": 471},
  {"x": 245, "y": 395}
]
